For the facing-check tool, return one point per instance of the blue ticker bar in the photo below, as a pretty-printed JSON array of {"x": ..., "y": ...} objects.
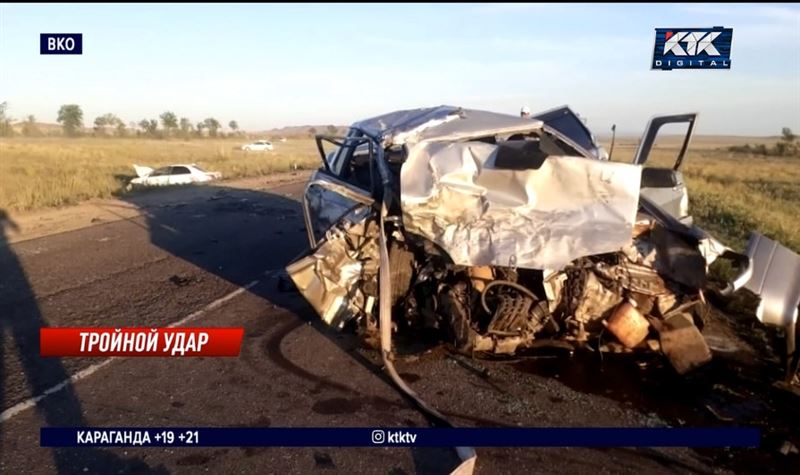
[{"x": 398, "y": 437}]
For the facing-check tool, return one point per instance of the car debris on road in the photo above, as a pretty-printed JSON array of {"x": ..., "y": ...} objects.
[{"x": 180, "y": 174}]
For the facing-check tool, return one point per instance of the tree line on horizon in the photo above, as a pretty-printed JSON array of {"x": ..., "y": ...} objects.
[
  {"x": 786, "y": 146},
  {"x": 70, "y": 117}
]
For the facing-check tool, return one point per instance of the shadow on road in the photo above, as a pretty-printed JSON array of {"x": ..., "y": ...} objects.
[
  {"x": 20, "y": 321},
  {"x": 249, "y": 232}
]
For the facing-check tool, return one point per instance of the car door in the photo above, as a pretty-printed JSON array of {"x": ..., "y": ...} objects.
[
  {"x": 159, "y": 177},
  {"x": 180, "y": 175},
  {"x": 342, "y": 231},
  {"x": 333, "y": 192},
  {"x": 664, "y": 185}
]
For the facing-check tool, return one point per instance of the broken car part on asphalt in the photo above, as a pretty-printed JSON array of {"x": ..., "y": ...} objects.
[
  {"x": 505, "y": 234},
  {"x": 776, "y": 278}
]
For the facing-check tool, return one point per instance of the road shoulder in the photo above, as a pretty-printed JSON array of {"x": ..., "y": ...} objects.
[{"x": 46, "y": 222}]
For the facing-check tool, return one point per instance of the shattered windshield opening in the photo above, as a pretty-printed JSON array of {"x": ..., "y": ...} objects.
[
  {"x": 519, "y": 155},
  {"x": 520, "y": 151}
]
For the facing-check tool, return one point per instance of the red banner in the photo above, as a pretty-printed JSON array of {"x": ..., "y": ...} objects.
[{"x": 171, "y": 342}]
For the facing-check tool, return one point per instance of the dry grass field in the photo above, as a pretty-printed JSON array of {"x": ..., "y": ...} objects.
[
  {"x": 731, "y": 193},
  {"x": 47, "y": 172}
]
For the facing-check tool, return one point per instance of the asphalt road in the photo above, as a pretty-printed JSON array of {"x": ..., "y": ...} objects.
[{"x": 186, "y": 250}]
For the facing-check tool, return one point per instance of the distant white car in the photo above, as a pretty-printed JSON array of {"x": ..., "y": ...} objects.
[
  {"x": 180, "y": 174},
  {"x": 258, "y": 146}
]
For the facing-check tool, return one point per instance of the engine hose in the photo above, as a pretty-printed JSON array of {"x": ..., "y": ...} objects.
[{"x": 513, "y": 285}]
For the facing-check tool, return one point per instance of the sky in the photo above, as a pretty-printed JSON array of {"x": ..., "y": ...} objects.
[{"x": 273, "y": 65}]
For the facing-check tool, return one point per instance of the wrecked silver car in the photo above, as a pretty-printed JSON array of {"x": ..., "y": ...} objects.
[
  {"x": 502, "y": 234},
  {"x": 505, "y": 234}
]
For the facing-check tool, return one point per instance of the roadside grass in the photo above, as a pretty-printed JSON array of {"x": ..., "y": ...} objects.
[{"x": 49, "y": 172}]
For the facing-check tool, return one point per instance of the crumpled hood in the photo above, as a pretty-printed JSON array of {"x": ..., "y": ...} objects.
[{"x": 453, "y": 194}]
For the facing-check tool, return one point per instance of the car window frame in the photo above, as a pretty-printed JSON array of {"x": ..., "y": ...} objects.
[
  {"x": 163, "y": 171},
  {"x": 339, "y": 164},
  {"x": 173, "y": 172}
]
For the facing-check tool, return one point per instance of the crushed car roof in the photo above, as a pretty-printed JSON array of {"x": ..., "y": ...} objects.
[{"x": 441, "y": 123}]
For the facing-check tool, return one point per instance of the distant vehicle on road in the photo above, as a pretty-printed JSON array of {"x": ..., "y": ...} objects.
[
  {"x": 180, "y": 174},
  {"x": 258, "y": 146}
]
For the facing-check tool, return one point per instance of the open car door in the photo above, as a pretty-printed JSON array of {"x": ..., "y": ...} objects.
[
  {"x": 342, "y": 233},
  {"x": 664, "y": 185},
  {"x": 333, "y": 193}
]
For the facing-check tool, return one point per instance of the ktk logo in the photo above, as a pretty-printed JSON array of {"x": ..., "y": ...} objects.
[
  {"x": 696, "y": 43},
  {"x": 692, "y": 48}
]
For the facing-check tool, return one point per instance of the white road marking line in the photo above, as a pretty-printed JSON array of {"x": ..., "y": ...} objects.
[
  {"x": 215, "y": 304},
  {"x": 17, "y": 408},
  {"x": 88, "y": 371}
]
